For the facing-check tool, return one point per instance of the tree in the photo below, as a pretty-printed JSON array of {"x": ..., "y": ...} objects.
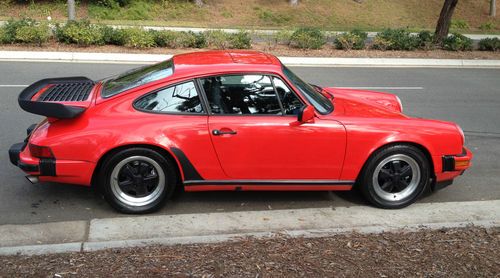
[
  {"x": 71, "y": 10},
  {"x": 443, "y": 24},
  {"x": 493, "y": 8}
]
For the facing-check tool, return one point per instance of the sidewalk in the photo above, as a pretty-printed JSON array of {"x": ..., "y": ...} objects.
[
  {"x": 87, "y": 57},
  {"x": 98, "y": 234}
]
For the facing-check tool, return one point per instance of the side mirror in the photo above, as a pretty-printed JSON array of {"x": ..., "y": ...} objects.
[{"x": 306, "y": 115}]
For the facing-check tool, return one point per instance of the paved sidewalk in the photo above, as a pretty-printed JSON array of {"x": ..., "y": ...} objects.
[{"x": 99, "y": 234}]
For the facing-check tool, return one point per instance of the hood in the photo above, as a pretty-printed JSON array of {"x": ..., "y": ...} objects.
[{"x": 366, "y": 103}]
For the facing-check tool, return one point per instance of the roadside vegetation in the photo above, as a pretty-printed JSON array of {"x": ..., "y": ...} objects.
[
  {"x": 339, "y": 15},
  {"x": 84, "y": 33}
]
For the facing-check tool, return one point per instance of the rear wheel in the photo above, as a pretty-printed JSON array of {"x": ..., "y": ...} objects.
[
  {"x": 395, "y": 176},
  {"x": 137, "y": 180}
]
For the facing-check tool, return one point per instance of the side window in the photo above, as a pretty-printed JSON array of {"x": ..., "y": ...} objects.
[
  {"x": 181, "y": 98},
  {"x": 241, "y": 95},
  {"x": 291, "y": 103}
]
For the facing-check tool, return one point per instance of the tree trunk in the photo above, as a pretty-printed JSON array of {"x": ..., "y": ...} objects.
[
  {"x": 71, "y": 10},
  {"x": 199, "y": 3},
  {"x": 493, "y": 8},
  {"x": 294, "y": 2},
  {"x": 443, "y": 24}
]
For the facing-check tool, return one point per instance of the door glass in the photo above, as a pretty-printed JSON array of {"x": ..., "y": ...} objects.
[
  {"x": 291, "y": 103},
  {"x": 181, "y": 98},
  {"x": 241, "y": 95}
]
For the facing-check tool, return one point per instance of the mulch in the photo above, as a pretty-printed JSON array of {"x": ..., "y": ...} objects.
[{"x": 459, "y": 252}]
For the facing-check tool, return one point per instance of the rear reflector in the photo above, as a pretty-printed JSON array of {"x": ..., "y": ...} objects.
[{"x": 40, "y": 151}]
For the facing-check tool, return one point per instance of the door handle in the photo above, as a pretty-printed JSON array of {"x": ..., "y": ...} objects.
[{"x": 217, "y": 132}]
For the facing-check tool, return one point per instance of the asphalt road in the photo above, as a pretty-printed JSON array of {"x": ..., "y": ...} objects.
[{"x": 470, "y": 97}]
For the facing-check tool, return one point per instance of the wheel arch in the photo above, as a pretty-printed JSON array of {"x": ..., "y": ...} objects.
[
  {"x": 421, "y": 147},
  {"x": 168, "y": 154}
]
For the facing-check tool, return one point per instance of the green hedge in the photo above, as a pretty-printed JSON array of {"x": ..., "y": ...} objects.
[
  {"x": 81, "y": 33},
  {"x": 351, "y": 40},
  {"x": 308, "y": 38},
  {"x": 395, "y": 39},
  {"x": 457, "y": 42},
  {"x": 489, "y": 44}
]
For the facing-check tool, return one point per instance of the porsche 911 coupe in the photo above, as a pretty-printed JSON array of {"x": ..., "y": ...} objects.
[{"x": 230, "y": 120}]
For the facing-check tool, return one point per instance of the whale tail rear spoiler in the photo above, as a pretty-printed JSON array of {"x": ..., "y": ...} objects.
[{"x": 62, "y": 98}]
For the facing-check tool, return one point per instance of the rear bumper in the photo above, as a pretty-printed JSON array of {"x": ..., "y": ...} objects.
[
  {"x": 50, "y": 169},
  {"x": 452, "y": 166},
  {"x": 44, "y": 167}
]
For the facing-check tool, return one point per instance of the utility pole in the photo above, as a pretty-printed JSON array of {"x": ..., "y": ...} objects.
[
  {"x": 493, "y": 8},
  {"x": 71, "y": 10}
]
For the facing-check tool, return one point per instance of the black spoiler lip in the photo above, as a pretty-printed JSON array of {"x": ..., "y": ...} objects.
[{"x": 50, "y": 109}]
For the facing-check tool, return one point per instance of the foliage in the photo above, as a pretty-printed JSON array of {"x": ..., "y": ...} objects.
[
  {"x": 308, "y": 38},
  {"x": 425, "y": 40},
  {"x": 457, "y": 42},
  {"x": 11, "y": 27},
  {"x": 489, "y": 44},
  {"x": 138, "y": 38},
  {"x": 136, "y": 10},
  {"x": 269, "y": 16},
  {"x": 395, "y": 39},
  {"x": 218, "y": 39},
  {"x": 351, "y": 40},
  {"x": 113, "y": 36},
  {"x": 112, "y": 3},
  {"x": 179, "y": 39},
  {"x": 459, "y": 24},
  {"x": 34, "y": 34},
  {"x": 240, "y": 40},
  {"x": 487, "y": 26},
  {"x": 3, "y": 35},
  {"x": 81, "y": 33}
]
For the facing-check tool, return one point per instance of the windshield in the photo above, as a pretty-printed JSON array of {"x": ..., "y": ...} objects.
[
  {"x": 136, "y": 77},
  {"x": 319, "y": 101}
]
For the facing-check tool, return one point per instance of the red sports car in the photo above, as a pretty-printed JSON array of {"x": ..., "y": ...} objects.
[{"x": 230, "y": 120}]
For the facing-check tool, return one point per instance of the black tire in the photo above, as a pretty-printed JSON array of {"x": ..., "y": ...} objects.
[
  {"x": 141, "y": 170},
  {"x": 386, "y": 181}
]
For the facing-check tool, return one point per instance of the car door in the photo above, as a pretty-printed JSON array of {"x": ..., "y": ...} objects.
[{"x": 251, "y": 133}]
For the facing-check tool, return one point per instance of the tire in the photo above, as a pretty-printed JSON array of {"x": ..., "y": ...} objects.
[
  {"x": 137, "y": 180},
  {"x": 395, "y": 176}
]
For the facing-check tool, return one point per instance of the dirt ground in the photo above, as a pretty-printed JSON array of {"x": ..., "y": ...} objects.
[
  {"x": 461, "y": 252},
  {"x": 279, "y": 50}
]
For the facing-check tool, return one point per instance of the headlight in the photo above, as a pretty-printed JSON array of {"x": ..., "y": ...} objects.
[
  {"x": 400, "y": 104},
  {"x": 461, "y": 134}
]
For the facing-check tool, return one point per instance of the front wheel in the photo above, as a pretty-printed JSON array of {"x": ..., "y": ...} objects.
[
  {"x": 395, "y": 176},
  {"x": 137, "y": 180}
]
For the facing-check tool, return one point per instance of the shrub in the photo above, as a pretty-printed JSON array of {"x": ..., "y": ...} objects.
[
  {"x": 425, "y": 40},
  {"x": 11, "y": 27},
  {"x": 3, "y": 35},
  {"x": 395, "y": 39},
  {"x": 489, "y": 44},
  {"x": 113, "y": 36},
  {"x": 81, "y": 33},
  {"x": 217, "y": 39},
  {"x": 457, "y": 42},
  {"x": 112, "y": 3},
  {"x": 138, "y": 38},
  {"x": 307, "y": 38},
  {"x": 174, "y": 39},
  {"x": 240, "y": 40},
  {"x": 351, "y": 40},
  {"x": 34, "y": 34}
]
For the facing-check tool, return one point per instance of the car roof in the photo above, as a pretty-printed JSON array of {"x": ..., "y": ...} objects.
[{"x": 220, "y": 61}]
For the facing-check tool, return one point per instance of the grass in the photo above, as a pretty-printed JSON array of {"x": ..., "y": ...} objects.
[{"x": 471, "y": 16}]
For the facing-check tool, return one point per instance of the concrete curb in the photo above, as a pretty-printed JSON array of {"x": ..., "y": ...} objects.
[
  {"x": 87, "y": 57},
  {"x": 124, "y": 232}
]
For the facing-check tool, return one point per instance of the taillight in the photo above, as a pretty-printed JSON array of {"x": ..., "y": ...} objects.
[{"x": 40, "y": 151}]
